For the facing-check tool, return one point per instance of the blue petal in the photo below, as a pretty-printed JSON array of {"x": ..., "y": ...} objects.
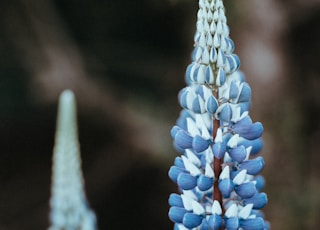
[
  {"x": 183, "y": 139},
  {"x": 225, "y": 114},
  {"x": 205, "y": 225},
  {"x": 239, "y": 76},
  {"x": 234, "y": 90},
  {"x": 209, "y": 75},
  {"x": 175, "y": 200},
  {"x": 253, "y": 166},
  {"x": 200, "y": 91},
  {"x": 232, "y": 223},
  {"x": 231, "y": 63},
  {"x": 199, "y": 144},
  {"x": 236, "y": 61},
  {"x": 191, "y": 220},
  {"x": 204, "y": 183},
  {"x": 215, "y": 221},
  {"x": 187, "y": 77},
  {"x": 221, "y": 77},
  {"x": 186, "y": 182},
  {"x": 238, "y": 154},
  {"x": 243, "y": 125},
  {"x": 256, "y": 145},
  {"x": 255, "y": 131},
  {"x": 196, "y": 54},
  {"x": 182, "y": 120},
  {"x": 174, "y": 172},
  {"x": 178, "y": 148},
  {"x": 221, "y": 59},
  {"x": 196, "y": 105},
  {"x": 212, "y": 104},
  {"x": 252, "y": 224},
  {"x": 260, "y": 182},
  {"x": 174, "y": 131},
  {"x": 245, "y": 94},
  {"x": 246, "y": 190},
  {"x": 183, "y": 95},
  {"x": 199, "y": 75},
  {"x": 244, "y": 106},
  {"x": 213, "y": 54},
  {"x": 178, "y": 162},
  {"x": 176, "y": 214},
  {"x": 257, "y": 213},
  {"x": 226, "y": 186},
  {"x": 219, "y": 149},
  {"x": 259, "y": 200},
  {"x": 230, "y": 45},
  {"x": 194, "y": 74},
  {"x": 267, "y": 225}
]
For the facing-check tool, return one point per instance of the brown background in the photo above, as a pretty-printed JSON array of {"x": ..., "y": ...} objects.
[{"x": 125, "y": 61}]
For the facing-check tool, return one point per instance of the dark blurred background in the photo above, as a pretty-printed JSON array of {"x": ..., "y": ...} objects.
[{"x": 125, "y": 60}]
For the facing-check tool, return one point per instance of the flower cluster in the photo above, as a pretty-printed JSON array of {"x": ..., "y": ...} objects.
[
  {"x": 68, "y": 203},
  {"x": 217, "y": 172}
]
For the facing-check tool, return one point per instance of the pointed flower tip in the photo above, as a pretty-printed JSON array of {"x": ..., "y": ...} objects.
[
  {"x": 67, "y": 96},
  {"x": 66, "y": 110}
]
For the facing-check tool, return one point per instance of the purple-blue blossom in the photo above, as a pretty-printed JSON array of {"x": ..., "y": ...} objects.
[{"x": 218, "y": 171}]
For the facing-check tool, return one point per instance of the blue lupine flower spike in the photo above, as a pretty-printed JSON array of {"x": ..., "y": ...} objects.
[{"x": 218, "y": 171}]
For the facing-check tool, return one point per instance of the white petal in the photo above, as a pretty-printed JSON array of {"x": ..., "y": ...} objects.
[
  {"x": 240, "y": 177},
  {"x": 205, "y": 54},
  {"x": 245, "y": 211},
  {"x": 206, "y": 91},
  {"x": 213, "y": 27},
  {"x": 197, "y": 208},
  {"x": 225, "y": 174},
  {"x": 219, "y": 27},
  {"x": 194, "y": 171},
  {"x": 192, "y": 127},
  {"x": 200, "y": 99},
  {"x": 193, "y": 158},
  {"x": 248, "y": 150},
  {"x": 209, "y": 155},
  {"x": 205, "y": 133},
  {"x": 233, "y": 142},
  {"x": 190, "y": 194},
  {"x": 232, "y": 211},
  {"x": 218, "y": 137},
  {"x": 202, "y": 40},
  {"x": 235, "y": 113},
  {"x": 209, "y": 171},
  {"x": 197, "y": 56},
  {"x": 182, "y": 227},
  {"x": 190, "y": 97},
  {"x": 199, "y": 121},
  {"x": 227, "y": 158},
  {"x": 187, "y": 202},
  {"x": 216, "y": 208}
]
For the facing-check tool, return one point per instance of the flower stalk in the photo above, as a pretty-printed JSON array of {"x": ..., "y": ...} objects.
[
  {"x": 217, "y": 169},
  {"x": 217, "y": 172}
]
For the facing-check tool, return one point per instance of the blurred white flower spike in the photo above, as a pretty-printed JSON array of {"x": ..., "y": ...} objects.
[{"x": 68, "y": 203}]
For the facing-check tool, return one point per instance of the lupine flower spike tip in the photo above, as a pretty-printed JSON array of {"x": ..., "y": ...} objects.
[
  {"x": 217, "y": 171},
  {"x": 68, "y": 203}
]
